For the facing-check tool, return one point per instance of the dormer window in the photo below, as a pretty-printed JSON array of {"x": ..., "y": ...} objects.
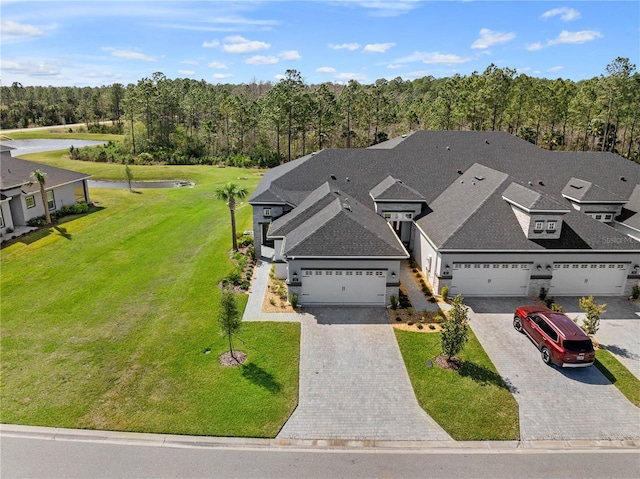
[
  {"x": 387, "y": 216},
  {"x": 539, "y": 226},
  {"x": 266, "y": 211},
  {"x": 608, "y": 217},
  {"x": 551, "y": 226}
]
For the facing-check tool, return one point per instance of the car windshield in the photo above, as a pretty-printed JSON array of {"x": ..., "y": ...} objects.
[{"x": 583, "y": 346}]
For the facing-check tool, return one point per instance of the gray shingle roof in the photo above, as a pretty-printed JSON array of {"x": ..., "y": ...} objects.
[
  {"x": 344, "y": 227},
  {"x": 429, "y": 161},
  {"x": 586, "y": 191},
  {"x": 459, "y": 202},
  {"x": 531, "y": 200},
  {"x": 391, "y": 189},
  {"x": 16, "y": 173}
]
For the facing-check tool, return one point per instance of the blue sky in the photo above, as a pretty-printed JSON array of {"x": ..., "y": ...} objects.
[{"x": 91, "y": 42}]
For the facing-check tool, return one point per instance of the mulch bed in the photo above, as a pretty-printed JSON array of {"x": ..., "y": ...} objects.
[
  {"x": 227, "y": 360},
  {"x": 453, "y": 364}
]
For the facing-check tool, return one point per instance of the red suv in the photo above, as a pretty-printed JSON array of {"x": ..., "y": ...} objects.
[{"x": 559, "y": 339}]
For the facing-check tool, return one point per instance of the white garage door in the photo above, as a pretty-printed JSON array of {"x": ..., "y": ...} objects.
[
  {"x": 581, "y": 279},
  {"x": 490, "y": 279},
  {"x": 326, "y": 286}
]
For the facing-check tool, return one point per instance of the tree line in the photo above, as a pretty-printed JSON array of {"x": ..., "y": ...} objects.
[{"x": 264, "y": 123}]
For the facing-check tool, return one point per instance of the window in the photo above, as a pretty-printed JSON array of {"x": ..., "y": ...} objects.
[
  {"x": 387, "y": 216},
  {"x": 30, "y": 201},
  {"x": 349, "y": 273},
  {"x": 378, "y": 273},
  {"x": 408, "y": 216},
  {"x": 551, "y": 225},
  {"x": 485, "y": 266},
  {"x": 548, "y": 330},
  {"x": 566, "y": 266},
  {"x": 266, "y": 211},
  {"x": 358, "y": 273},
  {"x": 476, "y": 265},
  {"x": 608, "y": 217},
  {"x": 369, "y": 273},
  {"x": 338, "y": 273},
  {"x": 329, "y": 273},
  {"x": 539, "y": 225},
  {"x": 598, "y": 217},
  {"x": 318, "y": 273},
  {"x": 51, "y": 201}
]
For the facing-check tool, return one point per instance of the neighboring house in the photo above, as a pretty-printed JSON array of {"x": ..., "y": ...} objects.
[
  {"x": 484, "y": 213},
  {"x": 20, "y": 198}
]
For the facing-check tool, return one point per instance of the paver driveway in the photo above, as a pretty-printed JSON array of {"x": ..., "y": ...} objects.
[
  {"x": 353, "y": 382},
  {"x": 554, "y": 403}
]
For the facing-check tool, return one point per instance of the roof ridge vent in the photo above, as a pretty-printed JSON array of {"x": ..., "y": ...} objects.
[{"x": 479, "y": 177}]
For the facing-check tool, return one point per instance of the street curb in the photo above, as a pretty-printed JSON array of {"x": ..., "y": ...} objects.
[{"x": 177, "y": 441}]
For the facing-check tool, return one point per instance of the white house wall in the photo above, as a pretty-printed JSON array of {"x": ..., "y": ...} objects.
[{"x": 6, "y": 216}]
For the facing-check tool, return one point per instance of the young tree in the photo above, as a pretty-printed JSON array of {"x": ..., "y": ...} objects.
[
  {"x": 591, "y": 322},
  {"x": 229, "y": 193},
  {"x": 455, "y": 330},
  {"x": 41, "y": 177},
  {"x": 128, "y": 174},
  {"x": 229, "y": 319}
]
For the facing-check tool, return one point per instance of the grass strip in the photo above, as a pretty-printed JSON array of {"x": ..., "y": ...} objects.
[
  {"x": 620, "y": 376},
  {"x": 473, "y": 403}
]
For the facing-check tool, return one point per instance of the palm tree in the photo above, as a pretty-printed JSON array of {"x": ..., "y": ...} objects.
[
  {"x": 229, "y": 193},
  {"x": 41, "y": 177}
]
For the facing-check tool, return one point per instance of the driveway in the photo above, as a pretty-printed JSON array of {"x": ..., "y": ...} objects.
[
  {"x": 554, "y": 403},
  {"x": 353, "y": 382}
]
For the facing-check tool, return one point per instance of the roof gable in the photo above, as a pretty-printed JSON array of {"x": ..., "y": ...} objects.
[
  {"x": 582, "y": 191},
  {"x": 16, "y": 173},
  {"x": 531, "y": 201},
  {"x": 391, "y": 189}
]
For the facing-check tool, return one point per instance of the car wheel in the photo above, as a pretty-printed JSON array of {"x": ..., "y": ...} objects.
[
  {"x": 546, "y": 355},
  {"x": 517, "y": 324}
]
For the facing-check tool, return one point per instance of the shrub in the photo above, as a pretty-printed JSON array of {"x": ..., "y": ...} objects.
[
  {"x": 591, "y": 322},
  {"x": 635, "y": 293},
  {"x": 420, "y": 326},
  {"x": 272, "y": 301},
  {"x": 426, "y": 291},
  {"x": 293, "y": 299},
  {"x": 556, "y": 307},
  {"x": 432, "y": 300},
  {"x": 432, "y": 327},
  {"x": 410, "y": 323},
  {"x": 234, "y": 276},
  {"x": 444, "y": 292},
  {"x": 245, "y": 285},
  {"x": 394, "y": 302},
  {"x": 543, "y": 294}
]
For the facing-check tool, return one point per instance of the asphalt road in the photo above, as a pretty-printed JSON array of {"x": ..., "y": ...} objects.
[{"x": 44, "y": 458}]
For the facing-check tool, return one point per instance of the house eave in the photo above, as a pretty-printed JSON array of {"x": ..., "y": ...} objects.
[
  {"x": 594, "y": 202},
  {"x": 535, "y": 211},
  {"x": 370, "y": 257}
]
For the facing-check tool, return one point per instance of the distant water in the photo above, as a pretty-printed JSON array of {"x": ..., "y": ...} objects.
[
  {"x": 139, "y": 184},
  {"x": 38, "y": 145}
]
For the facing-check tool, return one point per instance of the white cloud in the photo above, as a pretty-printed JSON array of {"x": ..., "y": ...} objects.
[
  {"x": 187, "y": 72},
  {"x": 261, "y": 60},
  {"x": 583, "y": 36},
  {"x": 393, "y": 66},
  {"x": 344, "y": 46},
  {"x": 568, "y": 38},
  {"x": 389, "y": 9},
  {"x": 221, "y": 76},
  {"x": 489, "y": 38},
  {"x": 326, "y": 70},
  {"x": 30, "y": 67},
  {"x": 290, "y": 55},
  {"x": 189, "y": 62},
  {"x": 15, "y": 32},
  {"x": 566, "y": 14},
  {"x": 351, "y": 76},
  {"x": 239, "y": 44},
  {"x": 377, "y": 47},
  {"x": 218, "y": 65},
  {"x": 211, "y": 44},
  {"x": 433, "y": 57},
  {"x": 555, "y": 69},
  {"x": 129, "y": 54}
]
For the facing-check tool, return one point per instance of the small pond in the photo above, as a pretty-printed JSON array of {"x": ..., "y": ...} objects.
[
  {"x": 140, "y": 184},
  {"x": 38, "y": 145}
]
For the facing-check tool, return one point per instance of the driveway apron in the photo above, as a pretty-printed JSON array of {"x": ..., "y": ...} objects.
[
  {"x": 353, "y": 382},
  {"x": 554, "y": 403}
]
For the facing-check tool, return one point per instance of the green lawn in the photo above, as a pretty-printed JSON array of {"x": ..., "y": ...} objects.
[
  {"x": 470, "y": 404},
  {"x": 106, "y": 318},
  {"x": 62, "y": 133},
  {"x": 620, "y": 376}
]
